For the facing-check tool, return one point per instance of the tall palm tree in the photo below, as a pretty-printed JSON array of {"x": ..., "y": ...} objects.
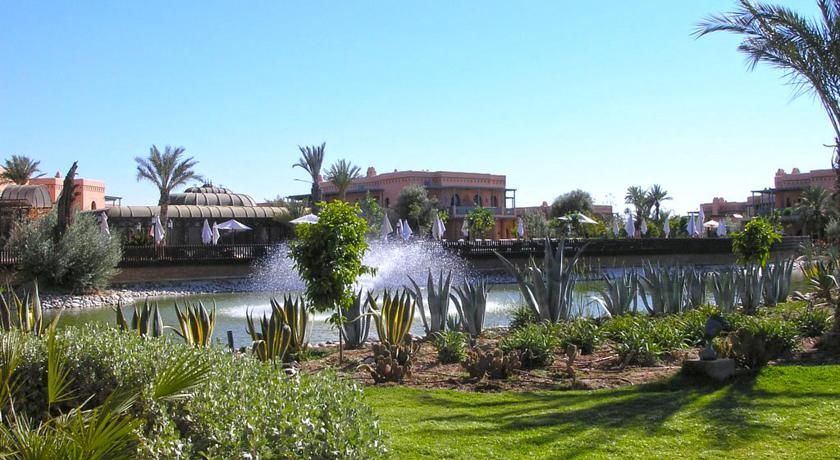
[
  {"x": 342, "y": 173},
  {"x": 656, "y": 195},
  {"x": 813, "y": 209},
  {"x": 20, "y": 169},
  {"x": 638, "y": 197},
  {"x": 166, "y": 170},
  {"x": 805, "y": 49},
  {"x": 311, "y": 159}
]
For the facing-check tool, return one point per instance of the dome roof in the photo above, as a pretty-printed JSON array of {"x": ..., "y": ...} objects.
[
  {"x": 207, "y": 188},
  {"x": 211, "y": 199},
  {"x": 35, "y": 196},
  {"x": 199, "y": 212}
]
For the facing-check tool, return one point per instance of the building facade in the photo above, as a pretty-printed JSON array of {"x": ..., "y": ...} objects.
[
  {"x": 90, "y": 193},
  {"x": 459, "y": 192}
]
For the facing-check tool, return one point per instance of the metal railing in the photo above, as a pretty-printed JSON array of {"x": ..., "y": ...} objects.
[
  {"x": 192, "y": 254},
  {"x": 464, "y": 210}
]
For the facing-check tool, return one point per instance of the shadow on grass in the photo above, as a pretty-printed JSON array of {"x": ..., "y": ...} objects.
[{"x": 587, "y": 421}]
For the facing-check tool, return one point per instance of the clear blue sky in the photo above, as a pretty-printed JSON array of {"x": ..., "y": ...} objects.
[{"x": 556, "y": 95}]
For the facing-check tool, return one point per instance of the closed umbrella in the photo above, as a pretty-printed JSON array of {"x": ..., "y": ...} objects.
[
  {"x": 701, "y": 217},
  {"x": 206, "y": 233},
  {"x": 698, "y": 227},
  {"x": 721, "y": 230},
  {"x": 103, "y": 225},
  {"x": 386, "y": 227},
  {"x": 643, "y": 227},
  {"x": 399, "y": 228},
  {"x": 465, "y": 228},
  {"x": 157, "y": 231},
  {"x": 520, "y": 227},
  {"x": 690, "y": 228},
  {"x": 436, "y": 228},
  {"x": 441, "y": 227},
  {"x": 615, "y": 225},
  {"x": 216, "y": 234},
  {"x": 406, "y": 230},
  {"x": 666, "y": 228},
  {"x": 630, "y": 226}
]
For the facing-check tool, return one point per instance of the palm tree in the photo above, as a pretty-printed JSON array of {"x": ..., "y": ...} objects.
[
  {"x": 812, "y": 209},
  {"x": 312, "y": 157},
  {"x": 20, "y": 169},
  {"x": 166, "y": 170},
  {"x": 805, "y": 49},
  {"x": 342, "y": 174},
  {"x": 638, "y": 197},
  {"x": 656, "y": 195}
]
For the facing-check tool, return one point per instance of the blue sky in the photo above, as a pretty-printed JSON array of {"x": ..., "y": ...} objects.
[{"x": 556, "y": 95}]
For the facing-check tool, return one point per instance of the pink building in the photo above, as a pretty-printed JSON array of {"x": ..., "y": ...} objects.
[
  {"x": 90, "y": 193},
  {"x": 459, "y": 191}
]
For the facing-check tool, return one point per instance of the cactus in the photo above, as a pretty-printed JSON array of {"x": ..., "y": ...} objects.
[
  {"x": 617, "y": 297},
  {"x": 666, "y": 287},
  {"x": 294, "y": 314},
  {"x": 751, "y": 285},
  {"x": 146, "y": 319},
  {"x": 437, "y": 299},
  {"x": 395, "y": 352},
  {"x": 725, "y": 289},
  {"x": 195, "y": 324},
  {"x": 695, "y": 288},
  {"x": 356, "y": 326},
  {"x": 272, "y": 341},
  {"x": 777, "y": 278},
  {"x": 471, "y": 303},
  {"x": 494, "y": 364}
]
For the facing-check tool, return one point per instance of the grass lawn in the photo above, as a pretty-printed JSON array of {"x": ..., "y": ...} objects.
[{"x": 783, "y": 412}]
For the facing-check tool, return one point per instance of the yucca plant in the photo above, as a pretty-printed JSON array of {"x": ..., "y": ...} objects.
[
  {"x": 293, "y": 313},
  {"x": 666, "y": 288},
  {"x": 725, "y": 289},
  {"x": 196, "y": 324},
  {"x": 25, "y": 315},
  {"x": 437, "y": 299},
  {"x": 547, "y": 288},
  {"x": 271, "y": 342},
  {"x": 751, "y": 286},
  {"x": 471, "y": 303},
  {"x": 619, "y": 293},
  {"x": 394, "y": 354},
  {"x": 146, "y": 319},
  {"x": 695, "y": 287},
  {"x": 356, "y": 326}
]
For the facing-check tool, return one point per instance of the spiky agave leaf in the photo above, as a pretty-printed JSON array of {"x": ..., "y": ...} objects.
[{"x": 470, "y": 301}]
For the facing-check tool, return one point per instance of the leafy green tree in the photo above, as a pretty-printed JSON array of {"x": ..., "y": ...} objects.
[
  {"x": 372, "y": 213},
  {"x": 574, "y": 201},
  {"x": 752, "y": 245},
  {"x": 639, "y": 198},
  {"x": 803, "y": 48},
  {"x": 414, "y": 205},
  {"x": 328, "y": 256},
  {"x": 20, "y": 169},
  {"x": 166, "y": 170},
  {"x": 536, "y": 224},
  {"x": 342, "y": 174},
  {"x": 311, "y": 160},
  {"x": 813, "y": 210},
  {"x": 481, "y": 222}
]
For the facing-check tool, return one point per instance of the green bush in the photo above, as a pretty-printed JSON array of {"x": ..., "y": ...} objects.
[
  {"x": 755, "y": 340},
  {"x": 752, "y": 245},
  {"x": 813, "y": 322},
  {"x": 451, "y": 346},
  {"x": 636, "y": 345},
  {"x": 534, "y": 343},
  {"x": 245, "y": 408},
  {"x": 583, "y": 333},
  {"x": 81, "y": 260},
  {"x": 522, "y": 316}
]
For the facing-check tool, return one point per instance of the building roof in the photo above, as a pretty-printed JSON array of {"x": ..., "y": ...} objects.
[
  {"x": 211, "y": 199},
  {"x": 198, "y": 212},
  {"x": 36, "y": 196}
]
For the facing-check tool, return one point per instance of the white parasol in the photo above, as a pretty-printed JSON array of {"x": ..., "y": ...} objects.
[
  {"x": 630, "y": 226},
  {"x": 103, "y": 225},
  {"x": 386, "y": 227},
  {"x": 157, "y": 231},
  {"x": 206, "y": 233},
  {"x": 520, "y": 227},
  {"x": 643, "y": 227},
  {"x": 406, "y": 230},
  {"x": 690, "y": 227},
  {"x": 721, "y": 230},
  {"x": 216, "y": 234},
  {"x": 307, "y": 219}
]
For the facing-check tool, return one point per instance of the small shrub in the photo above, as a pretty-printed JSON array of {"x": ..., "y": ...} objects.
[
  {"x": 583, "y": 333},
  {"x": 693, "y": 325},
  {"x": 668, "y": 333},
  {"x": 451, "y": 346},
  {"x": 813, "y": 322},
  {"x": 522, "y": 316},
  {"x": 756, "y": 341},
  {"x": 636, "y": 345},
  {"x": 494, "y": 364},
  {"x": 535, "y": 345}
]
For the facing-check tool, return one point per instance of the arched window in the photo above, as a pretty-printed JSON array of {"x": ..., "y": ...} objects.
[
  {"x": 92, "y": 205},
  {"x": 456, "y": 200},
  {"x": 494, "y": 202},
  {"x": 387, "y": 202}
]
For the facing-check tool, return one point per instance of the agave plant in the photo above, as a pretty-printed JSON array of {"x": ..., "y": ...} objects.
[
  {"x": 356, "y": 327},
  {"x": 666, "y": 288},
  {"x": 146, "y": 320},
  {"x": 821, "y": 278},
  {"x": 777, "y": 277},
  {"x": 751, "y": 285},
  {"x": 471, "y": 303},
  {"x": 619, "y": 294},
  {"x": 725, "y": 289},
  {"x": 25, "y": 315},
  {"x": 394, "y": 354},
  {"x": 271, "y": 342},
  {"x": 547, "y": 288},
  {"x": 195, "y": 324},
  {"x": 438, "y": 302},
  {"x": 293, "y": 313},
  {"x": 695, "y": 287}
]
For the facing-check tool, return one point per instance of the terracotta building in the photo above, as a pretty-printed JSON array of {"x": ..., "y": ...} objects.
[
  {"x": 460, "y": 192},
  {"x": 90, "y": 193}
]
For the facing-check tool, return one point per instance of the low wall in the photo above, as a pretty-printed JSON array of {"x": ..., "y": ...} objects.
[{"x": 181, "y": 273}]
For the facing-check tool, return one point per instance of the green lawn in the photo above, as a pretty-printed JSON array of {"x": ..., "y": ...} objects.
[{"x": 784, "y": 412}]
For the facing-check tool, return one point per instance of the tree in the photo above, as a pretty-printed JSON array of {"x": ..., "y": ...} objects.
[
  {"x": 536, "y": 225},
  {"x": 342, "y": 173},
  {"x": 20, "y": 169},
  {"x": 328, "y": 256},
  {"x": 372, "y": 213},
  {"x": 574, "y": 201},
  {"x": 656, "y": 195},
  {"x": 638, "y": 197},
  {"x": 480, "y": 222},
  {"x": 812, "y": 210},
  {"x": 752, "y": 245},
  {"x": 805, "y": 49},
  {"x": 166, "y": 170},
  {"x": 414, "y": 205},
  {"x": 311, "y": 159}
]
